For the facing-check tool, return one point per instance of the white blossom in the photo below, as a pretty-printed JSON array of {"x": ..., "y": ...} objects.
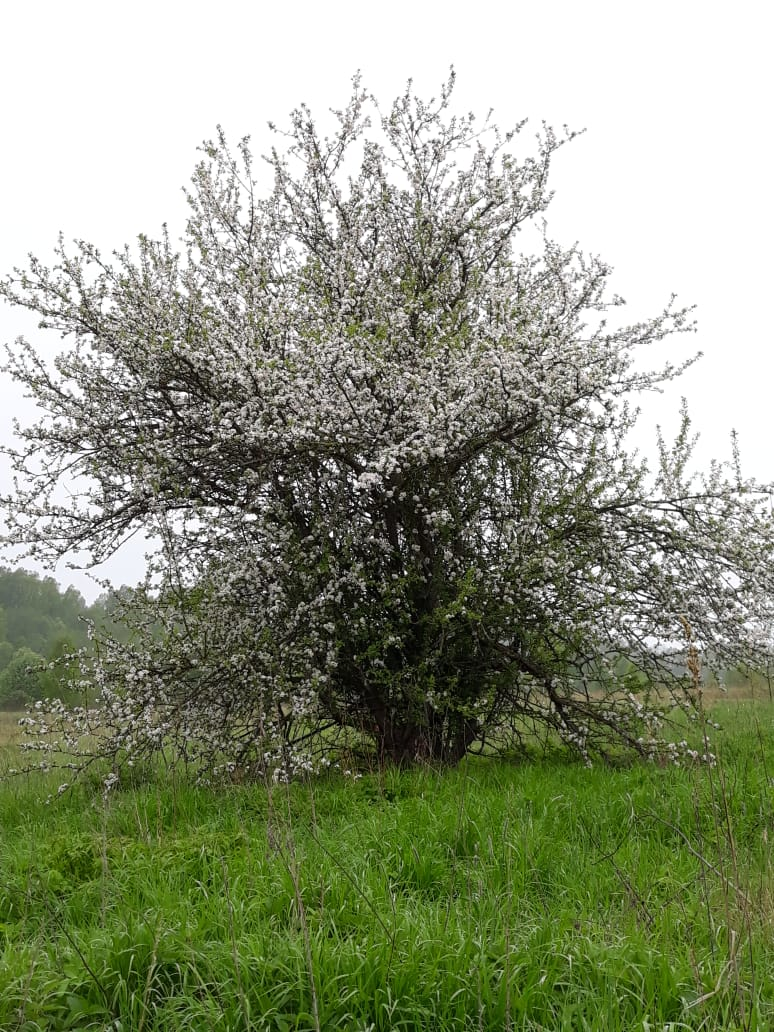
[{"x": 385, "y": 458}]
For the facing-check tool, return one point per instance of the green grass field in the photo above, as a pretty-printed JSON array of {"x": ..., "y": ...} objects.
[{"x": 497, "y": 896}]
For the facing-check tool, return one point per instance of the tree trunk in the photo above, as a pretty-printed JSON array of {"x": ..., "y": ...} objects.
[{"x": 438, "y": 742}]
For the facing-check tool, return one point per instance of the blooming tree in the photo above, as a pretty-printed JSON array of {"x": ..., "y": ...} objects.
[{"x": 385, "y": 454}]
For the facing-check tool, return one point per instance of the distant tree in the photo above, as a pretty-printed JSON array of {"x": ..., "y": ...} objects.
[
  {"x": 23, "y": 681},
  {"x": 387, "y": 458},
  {"x": 6, "y": 654}
]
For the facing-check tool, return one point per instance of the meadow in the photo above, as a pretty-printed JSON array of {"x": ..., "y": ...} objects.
[{"x": 528, "y": 894}]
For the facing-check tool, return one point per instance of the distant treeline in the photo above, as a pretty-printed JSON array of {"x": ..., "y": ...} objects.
[{"x": 40, "y": 623}]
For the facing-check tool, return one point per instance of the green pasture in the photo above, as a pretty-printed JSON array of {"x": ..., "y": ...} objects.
[{"x": 534, "y": 895}]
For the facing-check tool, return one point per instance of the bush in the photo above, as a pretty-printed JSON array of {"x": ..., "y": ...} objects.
[{"x": 25, "y": 680}]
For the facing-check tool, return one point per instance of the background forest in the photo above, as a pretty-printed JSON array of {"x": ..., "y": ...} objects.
[{"x": 41, "y": 623}]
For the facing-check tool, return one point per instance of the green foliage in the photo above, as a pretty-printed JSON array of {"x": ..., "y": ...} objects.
[
  {"x": 40, "y": 622},
  {"x": 24, "y": 680},
  {"x": 35, "y": 613},
  {"x": 7, "y": 652}
]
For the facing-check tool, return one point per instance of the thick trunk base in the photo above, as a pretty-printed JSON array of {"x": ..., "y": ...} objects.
[{"x": 411, "y": 745}]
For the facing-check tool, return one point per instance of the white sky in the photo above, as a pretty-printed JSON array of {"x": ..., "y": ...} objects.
[{"x": 103, "y": 106}]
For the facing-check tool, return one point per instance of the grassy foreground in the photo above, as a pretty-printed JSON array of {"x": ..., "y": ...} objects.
[{"x": 497, "y": 896}]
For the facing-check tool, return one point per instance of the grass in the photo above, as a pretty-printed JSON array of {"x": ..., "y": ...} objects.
[
  {"x": 540, "y": 896},
  {"x": 9, "y": 729}
]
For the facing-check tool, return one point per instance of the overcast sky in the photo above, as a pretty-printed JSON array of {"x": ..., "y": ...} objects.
[{"x": 103, "y": 106}]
